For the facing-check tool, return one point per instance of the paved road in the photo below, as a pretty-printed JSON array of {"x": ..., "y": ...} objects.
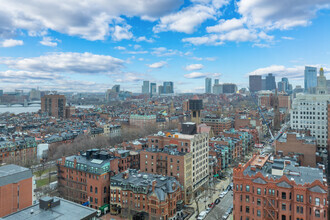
[{"x": 219, "y": 210}]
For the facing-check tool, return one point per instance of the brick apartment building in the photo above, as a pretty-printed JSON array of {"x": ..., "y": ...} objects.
[
  {"x": 217, "y": 124},
  {"x": 142, "y": 120},
  {"x": 15, "y": 189},
  {"x": 85, "y": 178},
  {"x": 127, "y": 159},
  {"x": 170, "y": 162},
  {"x": 267, "y": 188},
  {"x": 54, "y": 105},
  {"x": 187, "y": 145},
  {"x": 156, "y": 196},
  {"x": 300, "y": 146},
  {"x": 18, "y": 151}
]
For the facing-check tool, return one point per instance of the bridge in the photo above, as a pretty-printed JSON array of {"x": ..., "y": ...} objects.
[{"x": 23, "y": 104}]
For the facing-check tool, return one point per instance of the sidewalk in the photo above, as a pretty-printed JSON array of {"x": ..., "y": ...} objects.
[{"x": 210, "y": 198}]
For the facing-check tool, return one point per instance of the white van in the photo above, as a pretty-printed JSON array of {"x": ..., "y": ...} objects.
[{"x": 202, "y": 215}]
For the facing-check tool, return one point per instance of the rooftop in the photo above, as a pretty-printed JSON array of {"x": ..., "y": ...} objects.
[
  {"x": 61, "y": 209},
  {"x": 12, "y": 174}
]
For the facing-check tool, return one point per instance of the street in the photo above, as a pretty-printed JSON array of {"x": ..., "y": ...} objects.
[
  {"x": 219, "y": 210},
  {"x": 212, "y": 195}
]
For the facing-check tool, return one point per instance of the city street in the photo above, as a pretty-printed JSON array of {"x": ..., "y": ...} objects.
[
  {"x": 212, "y": 195},
  {"x": 219, "y": 210}
]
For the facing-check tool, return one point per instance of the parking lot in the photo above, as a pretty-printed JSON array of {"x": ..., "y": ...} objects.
[{"x": 219, "y": 210}]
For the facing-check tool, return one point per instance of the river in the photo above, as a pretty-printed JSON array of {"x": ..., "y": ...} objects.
[{"x": 17, "y": 109}]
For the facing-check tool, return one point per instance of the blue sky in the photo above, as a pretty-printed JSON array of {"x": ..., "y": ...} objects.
[{"x": 82, "y": 46}]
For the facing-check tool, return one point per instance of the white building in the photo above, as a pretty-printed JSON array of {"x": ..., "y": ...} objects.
[{"x": 310, "y": 112}]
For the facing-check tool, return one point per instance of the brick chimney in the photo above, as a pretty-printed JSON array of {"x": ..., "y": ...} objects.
[
  {"x": 75, "y": 162},
  {"x": 154, "y": 183}
]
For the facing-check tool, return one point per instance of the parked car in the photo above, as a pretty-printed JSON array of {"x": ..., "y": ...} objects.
[
  {"x": 222, "y": 195},
  {"x": 208, "y": 209},
  {"x": 202, "y": 215},
  {"x": 217, "y": 201},
  {"x": 211, "y": 205},
  {"x": 225, "y": 216}
]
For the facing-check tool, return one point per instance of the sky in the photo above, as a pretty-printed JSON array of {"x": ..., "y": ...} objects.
[{"x": 91, "y": 45}]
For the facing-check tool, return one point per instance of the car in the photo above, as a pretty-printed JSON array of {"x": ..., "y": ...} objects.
[
  {"x": 208, "y": 209},
  {"x": 202, "y": 215},
  {"x": 225, "y": 192},
  {"x": 222, "y": 195},
  {"x": 225, "y": 216},
  {"x": 211, "y": 205},
  {"x": 217, "y": 201}
]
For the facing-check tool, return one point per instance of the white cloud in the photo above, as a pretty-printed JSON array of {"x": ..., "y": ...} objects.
[
  {"x": 198, "y": 75},
  {"x": 193, "y": 67},
  {"x": 296, "y": 72},
  {"x": 128, "y": 77},
  {"x": 186, "y": 20},
  {"x": 280, "y": 14},
  {"x": 120, "y": 48},
  {"x": 11, "y": 43},
  {"x": 195, "y": 75},
  {"x": 287, "y": 38},
  {"x": 261, "y": 45},
  {"x": 136, "y": 46},
  {"x": 122, "y": 32},
  {"x": 143, "y": 38},
  {"x": 89, "y": 19},
  {"x": 83, "y": 63},
  {"x": 48, "y": 41},
  {"x": 163, "y": 51},
  {"x": 157, "y": 65},
  {"x": 226, "y": 25}
]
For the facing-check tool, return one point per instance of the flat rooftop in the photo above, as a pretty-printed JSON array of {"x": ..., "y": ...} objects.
[
  {"x": 65, "y": 210},
  {"x": 13, "y": 173}
]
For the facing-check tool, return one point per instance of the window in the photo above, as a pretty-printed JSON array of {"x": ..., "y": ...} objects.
[
  {"x": 317, "y": 213},
  {"x": 105, "y": 189},
  {"x": 258, "y": 213},
  {"x": 95, "y": 190},
  {"x": 95, "y": 200},
  {"x": 258, "y": 202},
  {"x": 91, "y": 189},
  {"x": 91, "y": 199},
  {"x": 247, "y": 198},
  {"x": 317, "y": 201},
  {"x": 283, "y": 206},
  {"x": 283, "y": 195},
  {"x": 258, "y": 191},
  {"x": 247, "y": 209},
  {"x": 247, "y": 188}
]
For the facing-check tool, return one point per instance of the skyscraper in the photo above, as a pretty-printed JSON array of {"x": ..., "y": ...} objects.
[
  {"x": 153, "y": 88},
  {"x": 283, "y": 85},
  {"x": 229, "y": 88},
  {"x": 270, "y": 82},
  {"x": 310, "y": 79},
  {"x": 116, "y": 88},
  {"x": 168, "y": 87},
  {"x": 218, "y": 89},
  {"x": 255, "y": 83},
  {"x": 208, "y": 85},
  {"x": 321, "y": 83},
  {"x": 145, "y": 87},
  {"x": 216, "y": 82}
]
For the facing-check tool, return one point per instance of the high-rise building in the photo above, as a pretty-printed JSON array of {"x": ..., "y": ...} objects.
[
  {"x": 310, "y": 112},
  {"x": 188, "y": 161},
  {"x": 310, "y": 79},
  {"x": 15, "y": 189},
  {"x": 216, "y": 82},
  {"x": 145, "y": 87},
  {"x": 208, "y": 85},
  {"x": 168, "y": 87},
  {"x": 270, "y": 82},
  {"x": 268, "y": 188},
  {"x": 1, "y": 92},
  {"x": 328, "y": 86},
  {"x": 116, "y": 88},
  {"x": 321, "y": 83},
  {"x": 35, "y": 94},
  {"x": 160, "y": 89},
  {"x": 255, "y": 83},
  {"x": 218, "y": 89},
  {"x": 195, "y": 106},
  {"x": 283, "y": 85},
  {"x": 54, "y": 105},
  {"x": 229, "y": 88},
  {"x": 153, "y": 89}
]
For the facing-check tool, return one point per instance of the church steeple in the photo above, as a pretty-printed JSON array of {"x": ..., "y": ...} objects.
[{"x": 321, "y": 83}]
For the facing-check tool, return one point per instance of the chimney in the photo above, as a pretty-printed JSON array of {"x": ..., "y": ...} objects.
[
  {"x": 63, "y": 160},
  {"x": 75, "y": 162},
  {"x": 154, "y": 185}
]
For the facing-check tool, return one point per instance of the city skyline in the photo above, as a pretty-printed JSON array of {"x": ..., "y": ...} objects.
[{"x": 118, "y": 43}]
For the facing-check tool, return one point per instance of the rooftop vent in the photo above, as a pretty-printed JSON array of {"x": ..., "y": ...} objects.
[{"x": 145, "y": 176}]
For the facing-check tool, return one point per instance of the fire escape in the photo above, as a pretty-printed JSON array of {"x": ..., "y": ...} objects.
[{"x": 269, "y": 207}]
